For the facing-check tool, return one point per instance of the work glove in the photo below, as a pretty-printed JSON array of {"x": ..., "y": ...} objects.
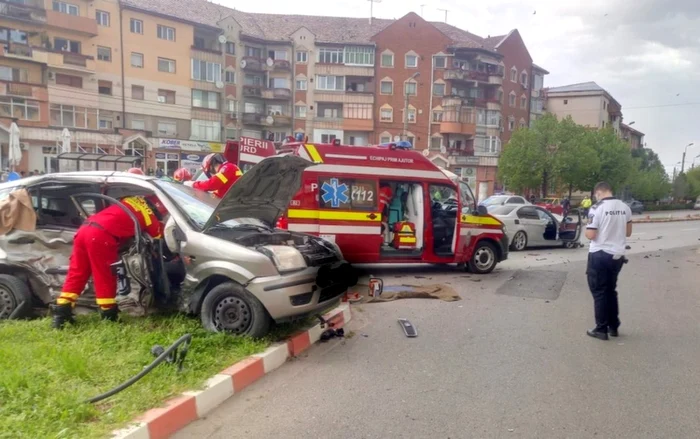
[{"x": 189, "y": 183}]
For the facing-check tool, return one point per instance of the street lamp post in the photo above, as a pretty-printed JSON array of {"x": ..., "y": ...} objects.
[
  {"x": 685, "y": 151},
  {"x": 693, "y": 165},
  {"x": 405, "y": 107}
]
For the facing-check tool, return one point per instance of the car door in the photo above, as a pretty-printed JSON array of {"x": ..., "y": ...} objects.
[
  {"x": 516, "y": 200},
  {"x": 533, "y": 225},
  {"x": 550, "y": 232}
]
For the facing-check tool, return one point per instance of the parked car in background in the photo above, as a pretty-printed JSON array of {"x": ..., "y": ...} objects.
[
  {"x": 636, "y": 206},
  {"x": 552, "y": 204},
  {"x": 533, "y": 226},
  {"x": 697, "y": 204},
  {"x": 500, "y": 200}
]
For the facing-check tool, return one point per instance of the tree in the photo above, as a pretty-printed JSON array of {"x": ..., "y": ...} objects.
[
  {"x": 523, "y": 162},
  {"x": 575, "y": 159},
  {"x": 694, "y": 182},
  {"x": 681, "y": 187},
  {"x": 648, "y": 184},
  {"x": 616, "y": 162}
]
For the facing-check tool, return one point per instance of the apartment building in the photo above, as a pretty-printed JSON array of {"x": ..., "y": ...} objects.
[
  {"x": 633, "y": 137},
  {"x": 537, "y": 99},
  {"x": 587, "y": 103}
]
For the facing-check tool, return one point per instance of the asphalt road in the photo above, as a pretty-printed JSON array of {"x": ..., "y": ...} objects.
[{"x": 511, "y": 359}]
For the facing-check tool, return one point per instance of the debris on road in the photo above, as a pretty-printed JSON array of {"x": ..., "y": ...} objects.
[
  {"x": 435, "y": 291},
  {"x": 408, "y": 328}
]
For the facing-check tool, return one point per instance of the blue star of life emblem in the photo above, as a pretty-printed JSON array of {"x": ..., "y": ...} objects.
[{"x": 335, "y": 192}]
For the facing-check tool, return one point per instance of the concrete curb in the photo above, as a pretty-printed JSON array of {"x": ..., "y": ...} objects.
[
  {"x": 160, "y": 423},
  {"x": 666, "y": 220}
]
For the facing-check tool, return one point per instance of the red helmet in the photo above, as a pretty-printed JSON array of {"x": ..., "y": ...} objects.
[
  {"x": 135, "y": 171},
  {"x": 210, "y": 161},
  {"x": 154, "y": 202},
  {"x": 182, "y": 175}
]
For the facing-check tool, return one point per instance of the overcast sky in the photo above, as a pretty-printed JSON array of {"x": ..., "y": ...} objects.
[{"x": 646, "y": 53}]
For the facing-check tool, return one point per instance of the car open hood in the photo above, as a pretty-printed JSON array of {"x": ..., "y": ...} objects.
[{"x": 264, "y": 192}]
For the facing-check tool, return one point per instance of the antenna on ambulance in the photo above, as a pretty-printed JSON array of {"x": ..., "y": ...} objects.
[{"x": 371, "y": 7}]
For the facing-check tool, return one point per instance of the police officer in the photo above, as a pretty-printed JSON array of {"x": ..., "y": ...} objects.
[{"x": 609, "y": 226}]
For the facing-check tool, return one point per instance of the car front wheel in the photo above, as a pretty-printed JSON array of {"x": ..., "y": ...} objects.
[
  {"x": 15, "y": 298},
  {"x": 484, "y": 259},
  {"x": 230, "y": 308},
  {"x": 519, "y": 242}
]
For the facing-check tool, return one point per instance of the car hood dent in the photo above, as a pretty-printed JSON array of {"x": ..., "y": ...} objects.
[{"x": 264, "y": 192}]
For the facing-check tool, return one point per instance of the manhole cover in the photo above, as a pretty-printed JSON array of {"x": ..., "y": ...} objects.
[{"x": 535, "y": 284}]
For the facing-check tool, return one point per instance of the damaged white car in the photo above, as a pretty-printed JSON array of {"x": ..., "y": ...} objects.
[{"x": 222, "y": 260}]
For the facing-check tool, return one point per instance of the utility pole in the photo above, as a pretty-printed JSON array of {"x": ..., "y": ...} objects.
[
  {"x": 405, "y": 106},
  {"x": 371, "y": 8},
  {"x": 684, "y": 152},
  {"x": 445, "y": 11}
]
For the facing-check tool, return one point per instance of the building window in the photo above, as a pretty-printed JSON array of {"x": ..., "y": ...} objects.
[
  {"x": 387, "y": 60},
  {"x": 435, "y": 143},
  {"x": 231, "y": 133},
  {"x": 106, "y": 123},
  {"x": 522, "y": 123},
  {"x": 411, "y": 140},
  {"x": 137, "y": 92},
  {"x": 138, "y": 125},
  {"x": 512, "y": 99},
  {"x": 386, "y": 114},
  {"x": 231, "y": 48},
  {"x": 438, "y": 115},
  {"x": 104, "y": 53},
  {"x": 300, "y": 111},
  {"x": 411, "y": 115},
  {"x": 206, "y": 130},
  {"x": 523, "y": 79},
  {"x": 438, "y": 89},
  {"x": 167, "y": 128},
  {"x": 206, "y": 71},
  {"x": 13, "y": 74},
  {"x": 230, "y": 77},
  {"x": 410, "y": 88},
  {"x": 166, "y": 96},
  {"x": 493, "y": 118},
  {"x": 72, "y": 116},
  {"x": 302, "y": 57},
  {"x": 22, "y": 109},
  {"x": 359, "y": 56},
  {"x": 137, "y": 60},
  {"x": 514, "y": 74},
  {"x": 66, "y": 8},
  {"x": 301, "y": 84},
  {"x": 253, "y": 52},
  {"x": 136, "y": 26},
  {"x": 386, "y": 88},
  {"x": 166, "y": 65},
  {"x": 566, "y": 101},
  {"x": 104, "y": 87},
  {"x": 102, "y": 18},
  {"x": 166, "y": 32},
  {"x": 68, "y": 80},
  {"x": 523, "y": 102},
  {"x": 411, "y": 61},
  {"x": 279, "y": 83},
  {"x": 385, "y": 139},
  {"x": 330, "y": 56},
  {"x": 440, "y": 62},
  {"x": 66, "y": 45},
  {"x": 232, "y": 106},
  {"x": 335, "y": 83},
  {"x": 205, "y": 99},
  {"x": 511, "y": 124}
]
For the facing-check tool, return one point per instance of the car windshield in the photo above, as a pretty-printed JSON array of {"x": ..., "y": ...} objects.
[
  {"x": 198, "y": 206},
  {"x": 501, "y": 210},
  {"x": 494, "y": 199}
]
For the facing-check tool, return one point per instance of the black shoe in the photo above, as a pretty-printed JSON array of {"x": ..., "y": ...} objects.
[
  {"x": 110, "y": 314},
  {"x": 597, "y": 334},
  {"x": 62, "y": 314},
  {"x": 613, "y": 333}
]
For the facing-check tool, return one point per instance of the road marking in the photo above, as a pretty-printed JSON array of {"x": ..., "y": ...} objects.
[{"x": 688, "y": 230}]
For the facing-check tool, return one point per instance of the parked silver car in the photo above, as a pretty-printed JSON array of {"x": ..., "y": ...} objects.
[
  {"x": 220, "y": 259},
  {"x": 534, "y": 226}
]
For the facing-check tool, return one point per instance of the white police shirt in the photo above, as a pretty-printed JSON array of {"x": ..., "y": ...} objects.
[{"x": 609, "y": 217}]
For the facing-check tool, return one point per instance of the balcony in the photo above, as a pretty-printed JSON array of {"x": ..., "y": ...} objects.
[
  {"x": 23, "y": 90},
  {"x": 348, "y": 97},
  {"x": 71, "y": 23},
  {"x": 32, "y": 11},
  {"x": 73, "y": 62},
  {"x": 252, "y": 64},
  {"x": 492, "y": 76},
  {"x": 257, "y": 119},
  {"x": 216, "y": 52},
  {"x": 458, "y": 121},
  {"x": 328, "y": 123},
  {"x": 24, "y": 53},
  {"x": 358, "y": 124},
  {"x": 281, "y": 120},
  {"x": 493, "y": 104},
  {"x": 281, "y": 93},
  {"x": 282, "y": 65},
  {"x": 253, "y": 91},
  {"x": 343, "y": 70}
]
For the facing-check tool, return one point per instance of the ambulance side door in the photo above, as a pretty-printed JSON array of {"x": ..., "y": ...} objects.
[
  {"x": 467, "y": 206},
  {"x": 348, "y": 215}
]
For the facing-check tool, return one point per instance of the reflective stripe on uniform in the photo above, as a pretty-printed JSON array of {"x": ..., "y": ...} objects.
[
  {"x": 141, "y": 207},
  {"x": 238, "y": 173},
  {"x": 313, "y": 152},
  {"x": 69, "y": 296},
  {"x": 222, "y": 177},
  {"x": 334, "y": 215},
  {"x": 106, "y": 301}
]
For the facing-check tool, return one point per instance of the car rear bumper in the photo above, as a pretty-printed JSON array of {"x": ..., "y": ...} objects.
[{"x": 305, "y": 292}]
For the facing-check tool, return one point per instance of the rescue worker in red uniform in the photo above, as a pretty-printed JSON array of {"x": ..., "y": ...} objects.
[
  {"x": 96, "y": 248},
  {"x": 222, "y": 175}
]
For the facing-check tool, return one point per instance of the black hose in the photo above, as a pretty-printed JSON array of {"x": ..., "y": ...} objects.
[{"x": 187, "y": 339}]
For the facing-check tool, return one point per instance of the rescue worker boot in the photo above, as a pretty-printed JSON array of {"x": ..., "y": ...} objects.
[
  {"x": 62, "y": 314},
  {"x": 111, "y": 314}
]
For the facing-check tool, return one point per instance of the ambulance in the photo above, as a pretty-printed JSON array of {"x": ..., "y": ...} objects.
[
  {"x": 427, "y": 215},
  {"x": 247, "y": 152}
]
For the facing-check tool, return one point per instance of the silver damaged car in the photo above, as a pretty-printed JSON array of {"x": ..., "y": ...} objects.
[{"x": 220, "y": 259}]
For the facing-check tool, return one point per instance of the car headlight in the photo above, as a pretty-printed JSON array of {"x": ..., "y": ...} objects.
[{"x": 284, "y": 257}]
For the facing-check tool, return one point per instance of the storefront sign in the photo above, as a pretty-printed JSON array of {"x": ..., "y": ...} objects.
[
  {"x": 191, "y": 162},
  {"x": 190, "y": 145},
  {"x": 466, "y": 160}
]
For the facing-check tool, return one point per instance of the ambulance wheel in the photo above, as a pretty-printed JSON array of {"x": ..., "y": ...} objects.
[
  {"x": 484, "y": 259},
  {"x": 230, "y": 308},
  {"x": 15, "y": 298},
  {"x": 519, "y": 242}
]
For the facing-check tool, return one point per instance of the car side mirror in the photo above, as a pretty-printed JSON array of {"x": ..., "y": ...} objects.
[{"x": 481, "y": 210}]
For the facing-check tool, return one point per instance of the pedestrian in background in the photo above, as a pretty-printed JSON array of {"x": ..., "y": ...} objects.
[
  {"x": 586, "y": 205},
  {"x": 609, "y": 226}
]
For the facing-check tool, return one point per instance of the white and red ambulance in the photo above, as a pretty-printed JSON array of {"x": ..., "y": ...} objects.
[{"x": 426, "y": 215}]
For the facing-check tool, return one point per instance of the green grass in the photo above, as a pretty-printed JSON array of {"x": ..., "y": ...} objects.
[{"x": 46, "y": 375}]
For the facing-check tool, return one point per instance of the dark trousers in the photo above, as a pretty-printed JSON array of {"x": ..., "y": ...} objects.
[{"x": 602, "y": 273}]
